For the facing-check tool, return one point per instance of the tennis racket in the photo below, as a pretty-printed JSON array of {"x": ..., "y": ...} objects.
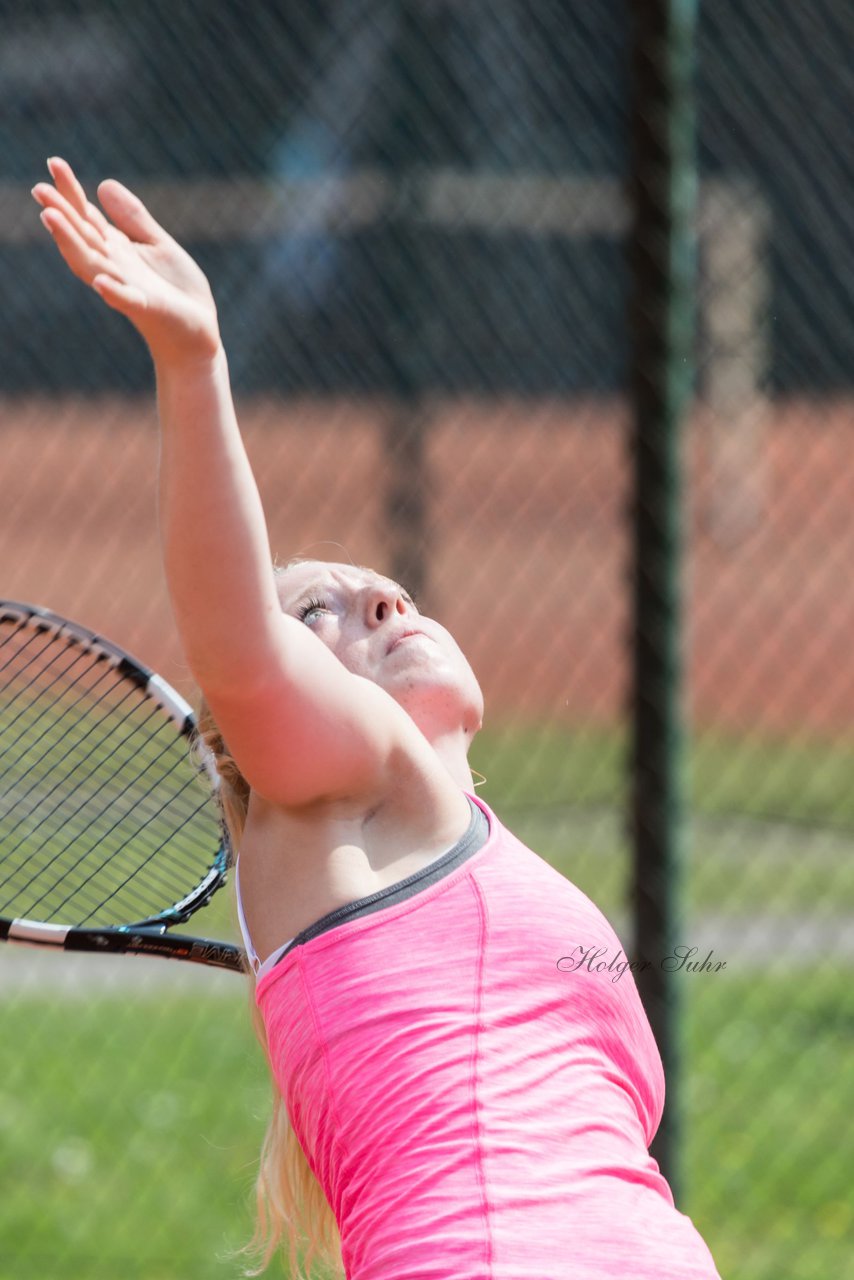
[{"x": 110, "y": 831}]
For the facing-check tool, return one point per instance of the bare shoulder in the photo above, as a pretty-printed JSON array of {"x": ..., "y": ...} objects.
[
  {"x": 299, "y": 863},
  {"x": 413, "y": 806}
]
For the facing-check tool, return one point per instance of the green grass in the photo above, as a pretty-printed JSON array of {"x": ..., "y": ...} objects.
[
  {"x": 130, "y": 1131},
  {"x": 792, "y": 780},
  {"x": 769, "y": 824},
  {"x": 735, "y": 866},
  {"x": 130, "y": 1125},
  {"x": 767, "y": 1116}
]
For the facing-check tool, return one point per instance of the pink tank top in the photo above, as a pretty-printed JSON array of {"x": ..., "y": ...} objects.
[{"x": 473, "y": 1107}]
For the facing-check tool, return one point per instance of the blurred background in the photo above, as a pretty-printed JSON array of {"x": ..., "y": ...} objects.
[{"x": 413, "y": 214}]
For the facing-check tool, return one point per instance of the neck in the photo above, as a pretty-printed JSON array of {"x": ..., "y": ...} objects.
[{"x": 452, "y": 749}]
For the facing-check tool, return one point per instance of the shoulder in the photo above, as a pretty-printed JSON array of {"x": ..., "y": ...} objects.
[
  {"x": 300, "y": 862},
  {"x": 326, "y": 736}
]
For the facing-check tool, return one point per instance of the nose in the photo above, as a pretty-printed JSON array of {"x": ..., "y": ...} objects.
[{"x": 384, "y": 600}]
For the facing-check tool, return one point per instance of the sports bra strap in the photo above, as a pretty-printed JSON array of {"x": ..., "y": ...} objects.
[{"x": 259, "y": 967}]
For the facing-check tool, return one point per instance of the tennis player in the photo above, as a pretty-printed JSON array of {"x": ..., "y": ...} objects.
[{"x": 454, "y": 1098}]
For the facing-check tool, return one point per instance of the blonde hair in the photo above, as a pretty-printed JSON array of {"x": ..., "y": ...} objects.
[{"x": 291, "y": 1208}]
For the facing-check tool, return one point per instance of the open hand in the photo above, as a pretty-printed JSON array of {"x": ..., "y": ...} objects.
[{"x": 131, "y": 262}]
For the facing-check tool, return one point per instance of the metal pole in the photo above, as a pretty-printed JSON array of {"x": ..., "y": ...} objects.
[
  {"x": 662, "y": 268},
  {"x": 407, "y": 492},
  {"x": 406, "y": 431}
]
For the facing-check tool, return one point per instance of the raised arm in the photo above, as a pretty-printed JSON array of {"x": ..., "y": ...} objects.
[{"x": 298, "y": 723}]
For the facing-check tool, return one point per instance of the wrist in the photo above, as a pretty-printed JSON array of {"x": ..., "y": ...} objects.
[{"x": 188, "y": 366}]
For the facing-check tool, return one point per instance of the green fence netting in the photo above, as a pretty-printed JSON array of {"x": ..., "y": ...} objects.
[{"x": 414, "y": 218}]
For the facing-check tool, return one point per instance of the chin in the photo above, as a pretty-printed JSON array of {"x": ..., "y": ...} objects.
[{"x": 442, "y": 709}]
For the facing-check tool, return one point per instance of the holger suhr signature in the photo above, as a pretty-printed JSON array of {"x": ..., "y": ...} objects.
[{"x": 597, "y": 960}]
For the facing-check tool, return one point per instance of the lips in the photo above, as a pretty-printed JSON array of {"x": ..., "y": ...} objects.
[{"x": 404, "y": 635}]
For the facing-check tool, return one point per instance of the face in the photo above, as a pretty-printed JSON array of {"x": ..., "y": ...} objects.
[{"x": 373, "y": 627}]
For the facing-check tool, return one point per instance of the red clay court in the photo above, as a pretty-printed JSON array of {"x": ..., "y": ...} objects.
[{"x": 528, "y": 543}]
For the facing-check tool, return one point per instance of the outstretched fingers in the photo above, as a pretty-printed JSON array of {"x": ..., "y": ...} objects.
[
  {"x": 93, "y": 267},
  {"x": 125, "y": 256},
  {"x": 70, "y": 187},
  {"x": 129, "y": 214},
  {"x": 91, "y": 231},
  {"x": 67, "y": 184},
  {"x": 97, "y": 219},
  {"x": 82, "y": 234},
  {"x": 83, "y": 258}
]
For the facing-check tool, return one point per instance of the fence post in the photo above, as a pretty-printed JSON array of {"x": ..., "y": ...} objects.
[
  {"x": 406, "y": 493},
  {"x": 406, "y": 429},
  {"x": 662, "y": 268}
]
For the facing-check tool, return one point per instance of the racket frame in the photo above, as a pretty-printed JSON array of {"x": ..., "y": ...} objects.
[{"x": 148, "y": 936}]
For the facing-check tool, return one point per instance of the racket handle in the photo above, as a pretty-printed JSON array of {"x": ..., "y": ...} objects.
[{"x": 139, "y": 942}]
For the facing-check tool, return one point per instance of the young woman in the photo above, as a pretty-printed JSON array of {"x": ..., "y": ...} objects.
[{"x": 466, "y": 1102}]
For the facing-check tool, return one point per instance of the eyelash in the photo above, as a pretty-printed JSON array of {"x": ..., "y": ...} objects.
[
  {"x": 312, "y": 604},
  {"x": 309, "y": 607}
]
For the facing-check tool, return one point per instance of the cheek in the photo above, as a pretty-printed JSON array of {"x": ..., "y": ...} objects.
[
  {"x": 328, "y": 631},
  {"x": 349, "y": 652},
  {"x": 455, "y": 654}
]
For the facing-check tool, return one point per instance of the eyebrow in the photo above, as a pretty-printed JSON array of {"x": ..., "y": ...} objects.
[{"x": 317, "y": 586}]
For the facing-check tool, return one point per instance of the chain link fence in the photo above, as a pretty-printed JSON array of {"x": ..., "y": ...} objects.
[{"x": 413, "y": 217}]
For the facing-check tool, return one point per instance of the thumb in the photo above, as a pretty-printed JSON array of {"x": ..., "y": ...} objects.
[{"x": 128, "y": 213}]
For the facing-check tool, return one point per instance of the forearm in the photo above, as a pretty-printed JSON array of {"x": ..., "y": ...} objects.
[{"x": 215, "y": 545}]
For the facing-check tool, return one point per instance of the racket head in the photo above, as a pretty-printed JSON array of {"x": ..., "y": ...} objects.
[{"x": 109, "y": 816}]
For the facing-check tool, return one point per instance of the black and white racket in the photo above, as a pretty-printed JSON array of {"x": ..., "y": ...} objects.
[{"x": 110, "y": 832}]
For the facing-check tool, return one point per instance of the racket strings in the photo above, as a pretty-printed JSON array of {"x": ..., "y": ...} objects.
[
  {"x": 44, "y": 760},
  {"x": 112, "y": 858},
  {"x": 172, "y": 890},
  {"x": 100, "y": 836},
  {"x": 134, "y": 866},
  {"x": 61, "y": 780},
  {"x": 105, "y": 816},
  {"x": 37, "y": 798},
  {"x": 40, "y": 693},
  {"x": 30, "y": 742}
]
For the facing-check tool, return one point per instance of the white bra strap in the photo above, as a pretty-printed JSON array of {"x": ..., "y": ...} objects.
[{"x": 251, "y": 953}]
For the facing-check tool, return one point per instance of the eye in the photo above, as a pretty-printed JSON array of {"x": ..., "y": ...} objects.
[
  {"x": 410, "y": 599},
  {"x": 310, "y": 607}
]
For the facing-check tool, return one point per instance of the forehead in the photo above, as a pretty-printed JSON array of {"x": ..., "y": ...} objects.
[{"x": 310, "y": 576}]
